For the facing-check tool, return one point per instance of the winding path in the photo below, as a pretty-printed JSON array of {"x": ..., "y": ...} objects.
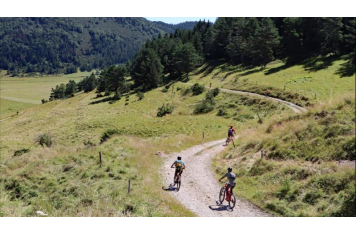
[
  {"x": 294, "y": 107},
  {"x": 200, "y": 188}
]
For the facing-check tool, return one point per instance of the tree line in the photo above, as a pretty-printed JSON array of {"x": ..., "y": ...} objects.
[
  {"x": 64, "y": 45},
  {"x": 247, "y": 41}
]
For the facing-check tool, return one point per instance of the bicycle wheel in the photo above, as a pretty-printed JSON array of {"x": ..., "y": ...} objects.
[
  {"x": 178, "y": 182},
  {"x": 222, "y": 195},
  {"x": 178, "y": 185},
  {"x": 233, "y": 201}
]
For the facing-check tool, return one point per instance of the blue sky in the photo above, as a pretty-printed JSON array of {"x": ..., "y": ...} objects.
[{"x": 176, "y": 20}]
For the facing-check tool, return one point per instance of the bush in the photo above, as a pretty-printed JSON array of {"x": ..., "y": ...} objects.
[
  {"x": 164, "y": 90},
  {"x": 108, "y": 134},
  {"x": 312, "y": 197},
  {"x": 164, "y": 109},
  {"x": 350, "y": 149},
  {"x": 140, "y": 95},
  {"x": 44, "y": 101},
  {"x": 197, "y": 89},
  {"x": 203, "y": 108},
  {"x": 222, "y": 112},
  {"x": 216, "y": 92},
  {"x": 44, "y": 139},
  {"x": 21, "y": 151}
]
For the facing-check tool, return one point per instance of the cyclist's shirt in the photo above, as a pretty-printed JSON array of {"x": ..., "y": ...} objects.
[
  {"x": 231, "y": 131},
  {"x": 179, "y": 164},
  {"x": 231, "y": 177}
]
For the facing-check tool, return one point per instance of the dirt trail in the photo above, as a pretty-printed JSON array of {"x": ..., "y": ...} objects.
[
  {"x": 294, "y": 107},
  {"x": 200, "y": 188}
]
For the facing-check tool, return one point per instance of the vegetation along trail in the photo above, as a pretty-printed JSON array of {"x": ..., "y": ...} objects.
[{"x": 200, "y": 188}]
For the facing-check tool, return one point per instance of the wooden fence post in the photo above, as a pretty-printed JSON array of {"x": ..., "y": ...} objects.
[
  {"x": 129, "y": 187},
  {"x": 100, "y": 158},
  {"x": 203, "y": 134}
]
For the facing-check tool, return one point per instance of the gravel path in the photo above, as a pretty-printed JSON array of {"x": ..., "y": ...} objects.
[
  {"x": 294, "y": 107},
  {"x": 200, "y": 189}
]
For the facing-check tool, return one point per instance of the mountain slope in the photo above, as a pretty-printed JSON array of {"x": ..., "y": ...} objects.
[{"x": 54, "y": 45}]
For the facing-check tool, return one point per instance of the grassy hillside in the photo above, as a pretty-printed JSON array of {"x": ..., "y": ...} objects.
[
  {"x": 33, "y": 89},
  {"x": 311, "y": 82},
  {"x": 309, "y": 168},
  {"x": 66, "y": 179},
  {"x": 60, "y": 45}
]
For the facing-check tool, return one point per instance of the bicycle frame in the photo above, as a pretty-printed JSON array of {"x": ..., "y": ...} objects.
[{"x": 227, "y": 193}]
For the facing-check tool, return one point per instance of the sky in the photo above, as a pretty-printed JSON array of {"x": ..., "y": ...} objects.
[{"x": 176, "y": 20}]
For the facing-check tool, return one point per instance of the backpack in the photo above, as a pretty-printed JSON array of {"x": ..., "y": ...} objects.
[
  {"x": 230, "y": 131},
  {"x": 179, "y": 165}
]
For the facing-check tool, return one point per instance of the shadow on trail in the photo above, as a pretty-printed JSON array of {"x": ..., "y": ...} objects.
[
  {"x": 171, "y": 189},
  {"x": 220, "y": 208}
]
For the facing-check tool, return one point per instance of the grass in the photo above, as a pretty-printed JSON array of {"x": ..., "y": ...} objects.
[
  {"x": 67, "y": 180},
  {"x": 33, "y": 89},
  {"x": 304, "y": 84},
  {"x": 9, "y": 108},
  {"x": 300, "y": 175}
]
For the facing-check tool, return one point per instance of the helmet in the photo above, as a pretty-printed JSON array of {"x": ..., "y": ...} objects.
[
  {"x": 179, "y": 158},
  {"x": 229, "y": 169}
]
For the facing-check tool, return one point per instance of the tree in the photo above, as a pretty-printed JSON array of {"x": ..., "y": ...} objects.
[
  {"x": 265, "y": 43},
  {"x": 186, "y": 58},
  {"x": 147, "y": 70},
  {"x": 71, "y": 88},
  {"x": 331, "y": 34}
]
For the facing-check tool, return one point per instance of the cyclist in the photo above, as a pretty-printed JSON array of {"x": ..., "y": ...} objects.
[
  {"x": 231, "y": 132},
  {"x": 232, "y": 179},
  {"x": 268, "y": 92},
  {"x": 179, "y": 165}
]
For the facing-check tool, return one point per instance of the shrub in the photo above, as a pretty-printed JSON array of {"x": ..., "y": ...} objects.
[
  {"x": 216, "y": 92},
  {"x": 164, "y": 109},
  {"x": 350, "y": 149},
  {"x": 186, "y": 91},
  {"x": 44, "y": 101},
  {"x": 140, "y": 95},
  {"x": 222, "y": 112},
  {"x": 203, "y": 107},
  {"x": 312, "y": 197},
  {"x": 21, "y": 151},
  {"x": 44, "y": 139},
  {"x": 164, "y": 90},
  {"x": 108, "y": 134},
  {"x": 197, "y": 89}
]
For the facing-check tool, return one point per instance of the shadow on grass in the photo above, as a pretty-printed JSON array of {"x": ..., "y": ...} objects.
[
  {"x": 319, "y": 63},
  {"x": 252, "y": 71},
  {"x": 106, "y": 99},
  {"x": 346, "y": 69},
  {"x": 277, "y": 69}
]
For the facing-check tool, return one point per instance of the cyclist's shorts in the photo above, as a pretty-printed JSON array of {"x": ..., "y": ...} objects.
[{"x": 178, "y": 171}]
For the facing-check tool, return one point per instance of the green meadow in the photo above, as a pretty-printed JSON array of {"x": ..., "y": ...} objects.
[{"x": 66, "y": 179}]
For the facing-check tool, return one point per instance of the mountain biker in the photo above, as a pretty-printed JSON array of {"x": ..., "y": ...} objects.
[
  {"x": 231, "y": 132},
  {"x": 232, "y": 179},
  {"x": 179, "y": 165}
]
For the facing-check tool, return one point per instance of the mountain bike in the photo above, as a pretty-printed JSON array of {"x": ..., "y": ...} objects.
[
  {"x": 177, "y": 181},
  {"x": 226, "y": 194}
]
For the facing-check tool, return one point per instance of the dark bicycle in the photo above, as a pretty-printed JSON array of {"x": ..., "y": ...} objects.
[
  {"x": 226, "y": 194},
  {"x": 177, "y": 181}
]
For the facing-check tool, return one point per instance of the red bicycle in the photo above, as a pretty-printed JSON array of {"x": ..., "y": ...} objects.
[{"x": 226, "y": 194}]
